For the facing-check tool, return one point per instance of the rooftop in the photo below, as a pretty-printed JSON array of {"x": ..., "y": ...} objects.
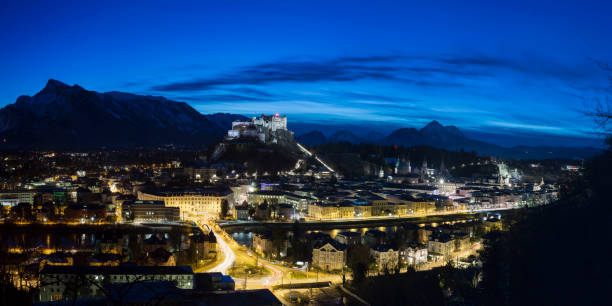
[{"x": 141, "y": 202}]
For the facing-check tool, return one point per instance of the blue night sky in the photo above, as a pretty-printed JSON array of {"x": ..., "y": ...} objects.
[{"x": 509, "y": 73}]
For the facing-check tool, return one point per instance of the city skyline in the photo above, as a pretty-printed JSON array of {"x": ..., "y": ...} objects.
[
  {"x": 305, "y": 152},
  {"x": 473, "y": 66}
]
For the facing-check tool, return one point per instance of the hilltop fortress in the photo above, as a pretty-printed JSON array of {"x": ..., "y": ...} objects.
[{"x": 266, "y": 129}]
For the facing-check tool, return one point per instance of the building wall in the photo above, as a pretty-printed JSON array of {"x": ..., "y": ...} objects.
[
  {"x": 444, "y": 248},
  {"x": 363, "y": 211},
  {"x": 256, "y": 199},
  {"x": 14, "y": 198},
  {"x": 462, "y": 243},
  {"x": 190, "y": 203},
  {"x": 241, "y": 214},
  {"x": 152, "y": 213},
  {"x": 52, "y": 287},
  {"x": 271, "y": 122},
  {"x": 414, "y": 255},
  {"x": 298, "y": 204},
  {"x": 264, "y": 246},
  {"x": 328, "y": 258},
  {"x": 330, "y": 211},
  {"x": 422, "y": 208},
  {"x": 388, "y": 259}
]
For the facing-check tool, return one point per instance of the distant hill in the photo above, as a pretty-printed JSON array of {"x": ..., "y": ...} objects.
[
  {"x": 451, "y": 138},
  {"x": 313, "y": 138},
  {"x": 224, "y": 120},
  {"x": 436, "y": 135},
  {"x": 345, "y": 136},
  {"x": 70, "y": 117}
]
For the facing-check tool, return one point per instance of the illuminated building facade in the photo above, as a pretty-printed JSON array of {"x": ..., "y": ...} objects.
[
  {"x": 422, "y": 207},
  {"x": 414, "y": 254},
  {"x": 149, "y": 211},
  {"x": 263, "y": 244},
  {"x": 198, "y": 201},
  {"x": 272, "y": 197},
  {"x": 12, "y": 198},
  {"x": 267, "y": 129},
  {"x": 385, "y": 258},
  {"x": 331, "y": 211},
  {"x": 329, "y": 255},
  {"x": 441, "y": 245}
]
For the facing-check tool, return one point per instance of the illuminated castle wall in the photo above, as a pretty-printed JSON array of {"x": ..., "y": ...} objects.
[{"x": 267, "y": 129}]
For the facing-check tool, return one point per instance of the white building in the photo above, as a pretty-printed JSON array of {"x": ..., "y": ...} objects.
[
  {"x": 385, "y": 257},
  {"x": 441, "y": 246},
  {"x": 195, "y": 201},
  {"x": 273, "y": 123},
  {"x": 329, "y": 255},
  {"x": 414, "y": 254},
  {"x": 12, "y": 198}
]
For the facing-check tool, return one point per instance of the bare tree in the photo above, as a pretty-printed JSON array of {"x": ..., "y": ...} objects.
[{"x": 601, "y": 108}]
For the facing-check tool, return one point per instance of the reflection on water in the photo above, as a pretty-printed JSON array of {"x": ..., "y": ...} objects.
[
  {"x": 246, "y": 237},
  {"x": 86, "y": 239},
  {"x": 243, "y": 238}
]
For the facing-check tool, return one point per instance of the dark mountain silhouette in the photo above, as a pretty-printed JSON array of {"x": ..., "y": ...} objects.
[
  {"x": 313, "y": 138},
  {"x": 62, "y": 116},
  {"x": 451, "y": 138},
  {"x": 436, "y": 135},
  {"x": 69, "y": 117},
  {"x": 345, "y": 136},
  {"x": 224, "y": 120}
]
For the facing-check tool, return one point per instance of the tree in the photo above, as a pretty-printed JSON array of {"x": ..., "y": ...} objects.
[
  {"x": 279, "y": 239},
  {"x": 601, "y": 110},
  {"x": 300, "y": 249},
  {"x": 495, "y": 275},
  {"x": 400, "y": 238},
  {"x": 530, "y": 262},
  {"x": 224, "y": 209},
  {"x": 359, "y": 261}
]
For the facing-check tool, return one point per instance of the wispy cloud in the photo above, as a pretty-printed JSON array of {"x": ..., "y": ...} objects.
[
  {"x": 219, "y": 98},
  {"x": 287, "y": 71},
  {"x": 251, "y": 91},
  {"x": 394, "y": 68},
  {"x": 421, "y": 71},
  {"x": 525, "y": 126},
  {"x": 403, "y": 89}
]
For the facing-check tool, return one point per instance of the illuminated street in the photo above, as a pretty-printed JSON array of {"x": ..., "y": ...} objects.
[{"x": 257, "y": 153}]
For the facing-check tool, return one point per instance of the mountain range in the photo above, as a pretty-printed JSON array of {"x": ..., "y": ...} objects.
[
  {"x": 450, "y": 138},
  {"x": 69, "y": 117}
]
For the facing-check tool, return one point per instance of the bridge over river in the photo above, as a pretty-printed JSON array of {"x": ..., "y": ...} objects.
[{"x": 258, "y": 226}]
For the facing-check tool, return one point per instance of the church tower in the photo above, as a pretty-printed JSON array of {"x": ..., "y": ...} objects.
[
  {"x": 397, "y": 165},
  {"x": 424, "y": 170}
]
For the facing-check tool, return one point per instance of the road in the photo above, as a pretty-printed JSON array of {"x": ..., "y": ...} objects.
[
  {"x": 228, "y": 255},
  {"x": 236, "y": 253},
  {"x": 315, "y": 156},
  {"x": 233, "y": 252}
]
